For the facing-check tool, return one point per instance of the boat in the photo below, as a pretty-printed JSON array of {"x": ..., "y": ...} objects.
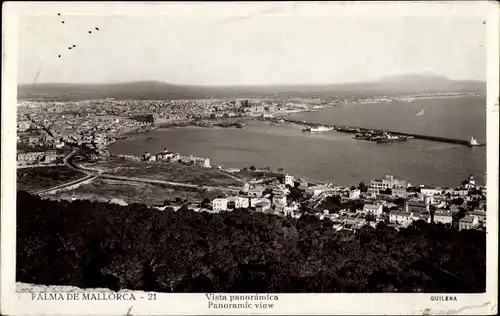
[
  {"x": 318, "y": 129},
  {"x": 473, "y": 142}
]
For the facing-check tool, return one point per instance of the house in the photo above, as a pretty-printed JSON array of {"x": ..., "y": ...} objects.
[
  {"x": 424, "y": 217},
  {"x": 281, "y": 191},
  {"x": 461, "y": 191},
  {"x": 279, "y": 200},
  {"x": 29, "y": 157},
  {"x": 417, "y": 207},
  {"x": 219, "y": 204},
  {"x": 234, "y": 202},
  {"x": 262, "y": 206},
  {"x": 430, "y": 191},
  {"x": 201, "y": 162},
  {"x": 480, "y": 216},
  {"x": 318, "y": 189},
  {"x": 399, "y": 191},
  {"x": 371, "y": 209},
  {"x": 50, "y": 156},
  {"x": 467, "y": 222},
  {"x": 354, "y": 194},
  {"x": 402, "y": 218},
  {"x": 443, "y": 217},
  {"x": 289, "y": 180},
  {"x": 254, "y": 201},
  {"x": 256, "y": 191},
  {"x": 380, "y": 185}
]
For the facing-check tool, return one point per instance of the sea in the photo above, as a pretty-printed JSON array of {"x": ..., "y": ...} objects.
[{"x": 336, "y": 157}]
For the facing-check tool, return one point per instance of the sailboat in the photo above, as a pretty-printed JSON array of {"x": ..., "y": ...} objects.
[{"x": 420, "y": 113}]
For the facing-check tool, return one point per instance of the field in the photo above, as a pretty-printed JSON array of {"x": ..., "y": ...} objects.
[
  {"x": 106, "y": 190},
  {"x": 168, "y": 172},
  {"x": 44, "y": 177}
]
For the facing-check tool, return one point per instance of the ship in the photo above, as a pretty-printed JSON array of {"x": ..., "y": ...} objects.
[
  {"x": 473, "y": 142},
  {"x": 317, "y": 129}
]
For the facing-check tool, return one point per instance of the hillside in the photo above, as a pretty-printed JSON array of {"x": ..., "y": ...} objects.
[
  {"x": 155, "y": 90},
  {"x": 102, "y": 245}
]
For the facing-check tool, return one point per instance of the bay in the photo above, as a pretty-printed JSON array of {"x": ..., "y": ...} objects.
[{"x": 336, "y": 157}]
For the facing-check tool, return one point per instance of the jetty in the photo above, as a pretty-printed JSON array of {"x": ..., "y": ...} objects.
[{"x": 355, "y": 129}]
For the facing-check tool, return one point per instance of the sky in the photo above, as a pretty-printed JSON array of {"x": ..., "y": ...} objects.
[{"x": 258, "y": 50}]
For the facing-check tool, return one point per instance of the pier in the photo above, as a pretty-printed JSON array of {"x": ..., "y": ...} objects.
[{"x": 354, "y": 129}]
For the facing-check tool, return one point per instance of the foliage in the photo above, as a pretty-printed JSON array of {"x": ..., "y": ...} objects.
[{"x": 93, "y": 244}]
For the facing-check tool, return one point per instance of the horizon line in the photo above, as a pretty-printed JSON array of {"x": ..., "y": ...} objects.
[{"x": 380, "y": 79}]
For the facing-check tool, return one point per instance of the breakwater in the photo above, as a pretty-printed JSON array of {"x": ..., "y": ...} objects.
[{"x": 354, "y": 129}]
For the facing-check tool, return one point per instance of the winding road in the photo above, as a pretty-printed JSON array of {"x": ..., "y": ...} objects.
[{"x": 94, "y": 174}]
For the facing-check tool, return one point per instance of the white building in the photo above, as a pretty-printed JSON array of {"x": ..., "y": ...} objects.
[
  {"x": 354, "y": 194},
  {"x": 443, "y": 217},
  {"x": 255, "y": 201},
  {"x": 380, "y": 185},
  {"x": 219, "y": 204},
  {"x": 402, "y": 218},
  {"x": 371, "y": 209},
  {"x": 289, "y": 180},
  {"x": 468, "y": 222},
  {"x": 430, "y": 191},
  {"x": 234, "y": 202}
]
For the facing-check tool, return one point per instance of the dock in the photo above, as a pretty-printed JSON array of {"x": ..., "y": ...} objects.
[{"x": 355, "y": 129}]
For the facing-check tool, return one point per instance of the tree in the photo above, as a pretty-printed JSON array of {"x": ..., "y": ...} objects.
[
  {"x": 400, "y": 201},
  {"x": 362, "y": 187},
  {"x": 388, "y": 191},
  {"x": 280, "y": 170},
  {"x": 252, "y": 168}
]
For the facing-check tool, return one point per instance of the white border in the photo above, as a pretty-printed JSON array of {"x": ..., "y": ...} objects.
[{"x": 195, "y": 304}]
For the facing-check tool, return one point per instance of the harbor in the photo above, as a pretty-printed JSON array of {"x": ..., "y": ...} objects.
[{"x": 381, "y": 136}]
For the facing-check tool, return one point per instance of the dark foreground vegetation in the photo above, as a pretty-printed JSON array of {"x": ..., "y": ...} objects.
[{"x": 91, "y": 244}]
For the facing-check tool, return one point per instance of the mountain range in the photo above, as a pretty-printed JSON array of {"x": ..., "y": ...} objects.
[{"x": 156, "y": 90}]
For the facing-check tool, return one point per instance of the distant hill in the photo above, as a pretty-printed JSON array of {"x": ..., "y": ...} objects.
[{"x": 153, "y": 90}]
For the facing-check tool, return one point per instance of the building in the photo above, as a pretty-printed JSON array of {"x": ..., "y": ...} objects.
[
  {"x": 371, "y": 209},
  {"x": 289, "y": 180},
  {"x": 262, "y": 206},
  {"x": 417, "y": 207},
  {"x": 256, "y": 191},
  {"x": 443, "y": 217},
  {"x": 30, "y": 157},
  {"x": 318, "y": 189},
  {"x": 50, "y": 156},
  {"x": 479, "y": 216},
  {"x": 401, "y": 218},
  {"x": 279, "y": 200},
  {"x": 219, "y": 204},
  {"x": 245, "y": 187},
  {"x": 197, "y": 161},
  {"x": 380, "y": 185},
  {"x": 23, "y": 126},
  {"x": 234, "y": 202},
  {"x": 467, "y": 222},
  {"x": 399, "y": 191},
  {"x": 430, "y": 191},
  {"x": 354, "y": 194}
]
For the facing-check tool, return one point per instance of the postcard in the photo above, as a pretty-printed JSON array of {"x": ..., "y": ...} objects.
[{"x": 249, "y": 158}]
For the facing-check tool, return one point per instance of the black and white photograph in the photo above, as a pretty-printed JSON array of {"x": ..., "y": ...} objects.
[{"x": 248, "y": 152}]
